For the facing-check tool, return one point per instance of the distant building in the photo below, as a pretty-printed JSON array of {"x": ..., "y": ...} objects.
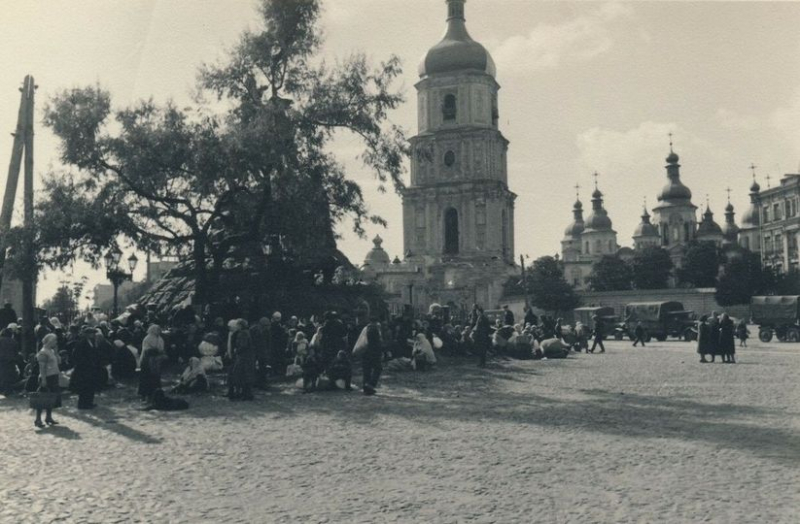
[
  {"x": 673, "y": 226},
  {"x": 103, "y": 294},
  {"x": 458, "y": 212},
  {"x": 156, "y": 270},
  {"x": 771, "y": 225}
]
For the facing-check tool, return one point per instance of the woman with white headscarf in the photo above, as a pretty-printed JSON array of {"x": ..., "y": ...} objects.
[
  {"x": 422, "y": 356},
  {"x": 153, "y": 354},
  {"x": 193, "y": 379}
]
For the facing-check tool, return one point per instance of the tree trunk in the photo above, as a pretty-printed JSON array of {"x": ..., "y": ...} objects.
[{"x": 202, "y": 291}]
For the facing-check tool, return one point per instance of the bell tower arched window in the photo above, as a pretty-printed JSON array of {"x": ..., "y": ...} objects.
[
  {"x": 451, "y": 232},
  {"x": 449, "y": 108}
]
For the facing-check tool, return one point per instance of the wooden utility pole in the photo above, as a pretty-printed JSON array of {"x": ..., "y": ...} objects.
[{"x": 22, "y": 149}]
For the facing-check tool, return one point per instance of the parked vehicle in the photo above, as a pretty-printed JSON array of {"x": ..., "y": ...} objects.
[
  {"x": 585, "y": 315},
  {"x": 661, "y": 320},
  {"x": 777, "y": 316}
]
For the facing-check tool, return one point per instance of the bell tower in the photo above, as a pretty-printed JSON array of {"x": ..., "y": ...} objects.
[{"x": 458, "y": 205}]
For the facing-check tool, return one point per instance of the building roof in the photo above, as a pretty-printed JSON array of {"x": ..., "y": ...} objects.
[
  {"x": 645, "y": 228},
  {"x": 377, "y": 256},
  {"x": 577, "y": 226},
  {"x": 707, "y": 226},
  {"x": 598, "y": 219},
  {"x": 457, "y": 51}
]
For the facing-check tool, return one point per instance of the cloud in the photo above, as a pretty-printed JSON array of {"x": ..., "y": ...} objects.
[
  {"x": 730, "y": 119},
  {"x": 547, "y": 46},
  {"x": 786, "y": 119}
]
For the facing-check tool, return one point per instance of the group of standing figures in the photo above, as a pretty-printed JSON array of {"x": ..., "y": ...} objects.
[{"x": 715, "y": 337}]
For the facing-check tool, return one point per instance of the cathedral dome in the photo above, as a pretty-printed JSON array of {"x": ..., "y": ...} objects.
[
  {"x": 730, "y": 230},
  {"x": 675, "y": 190},
  {"x": 377, "y": 255},
  {"x": 645, "y": 228},
  {"x": 457, "y": 51},
  {"x": 755, "y": 188},
  {"x": 750, "y": 218},
  {"x": 598, "y": 221},
  {"x": 707, "y": 226},
  {"x": 673, "y": 157},
  {"x": 577, "y": 226}
]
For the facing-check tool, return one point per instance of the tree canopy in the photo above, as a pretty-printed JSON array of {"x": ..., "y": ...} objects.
[
  {"x": 206, "y": 182},
  {"x": 610, "y": 273},
  {"x": 701, "y": 264},
  {"x": 651, "y": 267},
  {"x": 548, "y": 288}
]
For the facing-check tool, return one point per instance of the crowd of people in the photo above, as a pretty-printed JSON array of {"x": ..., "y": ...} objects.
[{"x": 93, "y": 353}]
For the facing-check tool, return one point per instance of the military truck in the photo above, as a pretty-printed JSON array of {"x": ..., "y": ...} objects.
[
  {"x": 776, "y": 316},
  {"x": 585, "y": 315},
  {"x": 661, "y": 320}
]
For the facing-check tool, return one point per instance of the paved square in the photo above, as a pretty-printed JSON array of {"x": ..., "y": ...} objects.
[{"x": 633, "y": 435}]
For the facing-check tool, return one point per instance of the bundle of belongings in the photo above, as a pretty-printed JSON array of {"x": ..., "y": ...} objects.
[
  {"x": 554, "y": 348},
  {"x": 161, "y": 402}
]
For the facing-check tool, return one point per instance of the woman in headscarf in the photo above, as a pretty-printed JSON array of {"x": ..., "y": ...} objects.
[
  {"x": 422, "y": 356},
  {"x": 727, "y": 346},
  {"x": 153, "y": 354},
  {"x": 48, "y": 360},
  {"x": 193, "y": 379},
  {"x": 243, "y": 372},
  {"x": 704, "y": 346}
]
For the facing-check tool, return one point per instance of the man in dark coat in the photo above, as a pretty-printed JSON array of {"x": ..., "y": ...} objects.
[
  {"x": 87, "y": 365},
  {"x": 530, "y": 317},
  {"x": 371, "y": 361},
  {"x": 599, "y": 334},
  {"x": 7, "y": 315},
  {"x": 508, "y": 316},
  {"x": 713, "y": 341},
  {"x": 482, "y": 335},
  {"x": 278, "y": 343},
  {"x": 727, "y": 347},
  {"x": 638, "y": 333},
  {"x": 703, "y": 339},
  {"x": 260, "y": 337},
  {"x": 333, "y": 338}
]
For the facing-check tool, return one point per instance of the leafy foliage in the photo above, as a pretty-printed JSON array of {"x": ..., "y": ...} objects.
[
  {"x": 210, "y": 185},
  {"x": 651, "y": 267},
  {"x": 548, "y": 288},
  {"x": 741, "y": 278},
  {"x": 701, "y": 264},
  {"x": 610, "y": 273}
]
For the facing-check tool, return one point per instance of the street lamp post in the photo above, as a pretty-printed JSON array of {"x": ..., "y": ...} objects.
[{"x": 117, "y": 275}]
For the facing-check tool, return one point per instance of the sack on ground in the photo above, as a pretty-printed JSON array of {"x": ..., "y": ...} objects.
[{"x": 294, "y": 370}]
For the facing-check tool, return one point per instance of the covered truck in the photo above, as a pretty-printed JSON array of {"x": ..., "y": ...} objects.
[
  {"x": 661, "y": 320},
  {"x": 585, "y": 315},
  {"x": 776, "y": 316}
]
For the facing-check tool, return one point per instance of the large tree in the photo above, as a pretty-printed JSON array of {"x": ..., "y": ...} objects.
[
  {"x": 700, "y": 265},
  {"x": 610, "y": 273},
  {"x": 204, "y": 183},
  {"x": 548, "y": 288},
  {"x": 651, "y": 268},
  {"x": 741, "y": 278}
]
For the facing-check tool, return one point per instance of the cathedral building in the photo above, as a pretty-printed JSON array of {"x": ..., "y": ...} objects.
[
  {"x": 458, "y": 212},
  {"x": 673, "y": 226}
]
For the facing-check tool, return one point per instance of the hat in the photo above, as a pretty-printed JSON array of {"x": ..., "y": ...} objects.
[
  {"x": 56, "y": 323},
  {"x": 13, "y": 326},
  {"x": 276, "y": 316}
]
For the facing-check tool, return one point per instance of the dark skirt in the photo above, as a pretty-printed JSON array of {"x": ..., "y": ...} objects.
[
  {"x": 243, "y": 372},
  {"x": 149, "y": 382},
  {"x": 51, "y": 384}
]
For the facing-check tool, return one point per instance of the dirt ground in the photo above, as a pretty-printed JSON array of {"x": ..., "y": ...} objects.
[{"x": 633, "y": 435}]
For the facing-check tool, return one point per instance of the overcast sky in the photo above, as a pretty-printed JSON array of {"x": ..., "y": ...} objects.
[{"x": 585, "y": 86}]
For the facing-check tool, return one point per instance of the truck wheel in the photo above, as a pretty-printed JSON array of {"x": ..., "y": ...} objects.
[
  {"x": 631, "y": 337},
  {"x": 764, "y": 335},
  {"x": 647, "y": 337},
  {"x": 793, "y": 335},
  {"x": 661, "y": 337},
  {"x": 617, "y": 336},
  {"x": 689, "y": 336}
]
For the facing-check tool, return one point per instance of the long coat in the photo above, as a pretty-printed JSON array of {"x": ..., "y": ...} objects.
[
  {"x": 704, "y": 346},
  {"x": 713, "y": 325},
  {"x": 726, "y": 332},
  {"x": 243, "y": 372},
  {"x": 86, "y": 358}
]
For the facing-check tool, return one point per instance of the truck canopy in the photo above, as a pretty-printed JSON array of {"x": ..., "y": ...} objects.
[
  {"x": 775, "y": 309},
  {"x": 651, "y": 311}
]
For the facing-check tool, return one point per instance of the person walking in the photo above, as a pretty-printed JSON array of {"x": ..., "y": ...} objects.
[
  {"x": 371, "y": 361},
  {"x": 713, "y": 341},
  {"x": 87, "y": 368},
  {"x": 703, "y": 339},
  {"x": 153, "y": 354},
  {"x": 727, "y": 346},
  {"x": 638, "y": 334},
  {"x": 742, "y": 333},
  {"x": 48, "y": 360},
  {"x": 599, "y": 334}
]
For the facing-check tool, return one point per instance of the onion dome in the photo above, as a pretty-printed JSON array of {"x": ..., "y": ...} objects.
[
  {"x": 751, "y": 218},
  {"x": 598, "y": 220},
  {"x": 575, "y": 229},
  {"x": 674, "y": 191},
  {"x": 377, "y": 255},
  {"x": 457, "y": 51},
  {"x": 707, "y": 226},
  {"x": 729, "y": 229},
  {"x": 645, "y": 228}
]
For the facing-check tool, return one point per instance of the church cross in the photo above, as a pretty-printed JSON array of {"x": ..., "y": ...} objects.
[
  {"x": 768, "y": 178},
  {"x": 578, "y": 191},
  {"x": 728, "y": 190},
  {"x": 753, "y": 169},
  {"x": 595, "y": 175},
  {"x": 670, "y": 141}
]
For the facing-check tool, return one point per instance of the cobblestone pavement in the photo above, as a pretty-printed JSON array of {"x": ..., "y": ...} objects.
[{"x": 633, "y": 435}]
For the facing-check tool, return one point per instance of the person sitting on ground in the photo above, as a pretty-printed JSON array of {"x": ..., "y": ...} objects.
[
  {"x": 422, "y": 356},
  {"x": 340, "y": 372},
  {"x": 554, "y": 348},
  {"x": 209, "y": 352},
  {"x": 161, "y": 402},
  {"x": 193, "y": 379}
]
